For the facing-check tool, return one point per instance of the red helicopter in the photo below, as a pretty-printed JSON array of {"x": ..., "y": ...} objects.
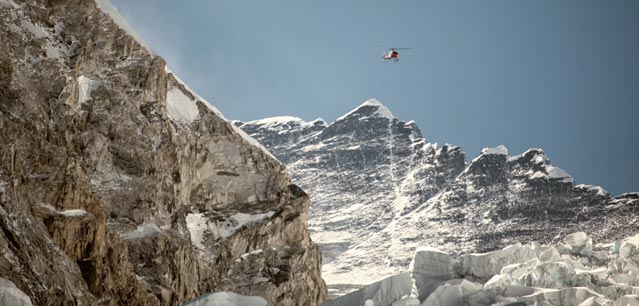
[{"x": 392, "y": 54}]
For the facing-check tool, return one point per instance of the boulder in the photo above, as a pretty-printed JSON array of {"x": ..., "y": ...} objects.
[{"x": 11, "y": 295}]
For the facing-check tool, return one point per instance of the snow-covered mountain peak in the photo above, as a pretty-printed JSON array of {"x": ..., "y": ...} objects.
[
  {"x": 499, "y": 150},
  {"x": 597, "y": 189},
  {"x": 318, "y": 122},
  {"x": 370, "y": 108},
  {"x": 487, "y": 169},
  {"x": 489, "y": 158},
  {"x": 532, "y": 164},
  {"x": 535, "y": 165},
  {"x": 531, "y": 157},
  {"x": 372, "y": 102},
  {"x": 379, "y": 188},
  {"x": 553, "y": 173},
  {"x": 447, "y": 150},
  {"x": 629, "y": 195}
]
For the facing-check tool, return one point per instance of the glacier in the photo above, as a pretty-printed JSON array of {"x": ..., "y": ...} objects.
[{"x": 531, "y": 274}]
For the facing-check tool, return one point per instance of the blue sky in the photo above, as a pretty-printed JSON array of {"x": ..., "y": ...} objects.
[{"x": 559, "y": 75}]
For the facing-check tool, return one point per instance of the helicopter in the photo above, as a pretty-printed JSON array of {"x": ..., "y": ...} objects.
[{"x": 392, "y": 54}]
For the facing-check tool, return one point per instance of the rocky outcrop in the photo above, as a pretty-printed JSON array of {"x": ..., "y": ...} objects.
[
  {"x": 530, "y": 274},
  {"x": 121, "y": 186},
  {"x": 380, "y": 189}
]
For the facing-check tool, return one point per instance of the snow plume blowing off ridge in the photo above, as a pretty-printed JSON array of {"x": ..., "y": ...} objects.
[{"x": 378, "y": 110}]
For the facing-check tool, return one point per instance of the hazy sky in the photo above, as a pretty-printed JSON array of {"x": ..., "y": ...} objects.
[{"x": 562, "y": 75}]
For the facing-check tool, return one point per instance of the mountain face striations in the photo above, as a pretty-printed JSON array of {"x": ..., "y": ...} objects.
[
  {"x": 380, "y": 190},
  {"x": 120, "y": 186}
]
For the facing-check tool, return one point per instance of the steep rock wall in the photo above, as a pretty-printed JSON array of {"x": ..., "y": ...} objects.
[{"x": 120, "y": 186}]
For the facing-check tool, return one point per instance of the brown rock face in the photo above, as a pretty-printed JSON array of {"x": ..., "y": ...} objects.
[{"x": 119, "y": 186}]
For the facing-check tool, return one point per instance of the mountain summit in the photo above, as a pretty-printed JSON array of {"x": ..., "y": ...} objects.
[
  {"x": 368, "y": 109},
  {"x": 379, "y": 190}
]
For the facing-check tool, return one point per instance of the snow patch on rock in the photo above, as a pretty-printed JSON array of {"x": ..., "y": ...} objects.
[
  {"x": 85, "y": 88},
  {"x": 190, "y": 104},
  {"x": 499, "y": 150},
  {"x": 201, "y": 227},
  {"x": 71, "y": 213},
  {"x": 226, "y": 299},
  {"x": 559, "y": 174},
  {"x": 144, "y": 230},
  {"x": 598, "y": 189},
  {"x": 550, "y": 172},
  {"x": 180, "y": 107}
]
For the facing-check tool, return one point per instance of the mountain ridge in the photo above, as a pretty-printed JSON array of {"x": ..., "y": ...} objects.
[{"x": 379, "y": 189}]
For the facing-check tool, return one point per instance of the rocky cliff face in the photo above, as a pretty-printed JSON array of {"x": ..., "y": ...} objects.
[
  {"x": 120, "y": 186},
  {"x": 380, "y": 190}
]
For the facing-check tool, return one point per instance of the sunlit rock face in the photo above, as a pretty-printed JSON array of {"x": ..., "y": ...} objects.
[
  {"x": 379, "y": 190},
  {"x": 121, "y": 186}
]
